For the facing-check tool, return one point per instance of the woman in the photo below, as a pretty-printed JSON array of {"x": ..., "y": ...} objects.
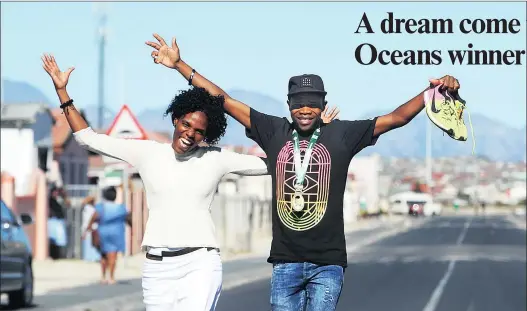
[
  {"x": 57, "y": 232},
  {"x": 183, "y": 270},
  {"x": 111, "y": 218}
]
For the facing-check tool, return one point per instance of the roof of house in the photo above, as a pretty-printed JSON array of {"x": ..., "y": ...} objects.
[{"x": 25, "y": 112}]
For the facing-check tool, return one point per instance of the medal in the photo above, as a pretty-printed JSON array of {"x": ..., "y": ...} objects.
[{"x": 297, "y": 200}]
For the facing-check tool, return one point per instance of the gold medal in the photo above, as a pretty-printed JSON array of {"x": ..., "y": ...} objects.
[{"x": 297, "y": 201}]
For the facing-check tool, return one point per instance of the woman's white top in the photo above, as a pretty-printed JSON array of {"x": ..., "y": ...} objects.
[{"x": 179, "y": 188}]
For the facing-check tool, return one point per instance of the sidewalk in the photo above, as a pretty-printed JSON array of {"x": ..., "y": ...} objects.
[
  {"x": 76, "y": 279},
  {"x": 471, "y": 211}
]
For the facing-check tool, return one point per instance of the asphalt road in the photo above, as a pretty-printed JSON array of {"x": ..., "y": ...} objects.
[
  {"x": 446, "y": 264},
  {"x": 127, "y": 295},
  {"x": 441, "y": 264}
]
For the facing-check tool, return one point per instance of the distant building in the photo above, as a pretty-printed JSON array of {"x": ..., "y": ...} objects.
[
  {"x": 26, "y": 142},
  {"x": 366, "y": 171},
  {"x": 72, "y": 159}
]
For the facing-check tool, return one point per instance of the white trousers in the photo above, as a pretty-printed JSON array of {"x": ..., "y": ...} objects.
[{"x": 190, "y": 282}]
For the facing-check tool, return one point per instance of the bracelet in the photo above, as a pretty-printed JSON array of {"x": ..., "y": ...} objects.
[
  {"x": 191, "y": 76},
  {"x": 66, "y": 104}
]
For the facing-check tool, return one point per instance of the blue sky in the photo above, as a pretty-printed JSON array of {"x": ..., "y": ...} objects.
[{"x": 257, "y": 46}]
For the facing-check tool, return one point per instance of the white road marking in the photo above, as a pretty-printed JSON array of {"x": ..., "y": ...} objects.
[
  {"x": 464, "y": 232},
  {"x": 438, "y": 291}
]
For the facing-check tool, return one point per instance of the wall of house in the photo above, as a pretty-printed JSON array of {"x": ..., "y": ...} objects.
[
  {"x": 35, "y": 203},
  {"x": 19, "y": 156},
  {"x": 42, "y": 127},
  {"x": 73, "y": 163},
  {"x": 366, "y": 171},
  {"x": 42, "y": 137}
]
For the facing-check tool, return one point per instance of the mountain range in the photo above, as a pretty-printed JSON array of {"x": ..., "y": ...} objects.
[{"x": 494, "y": 140}]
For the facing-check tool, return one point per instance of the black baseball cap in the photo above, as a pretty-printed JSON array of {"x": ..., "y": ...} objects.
[{"x": 306, "y": 83}]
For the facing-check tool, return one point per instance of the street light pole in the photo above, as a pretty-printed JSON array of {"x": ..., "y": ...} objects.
[{"x": 428, "y": 154}]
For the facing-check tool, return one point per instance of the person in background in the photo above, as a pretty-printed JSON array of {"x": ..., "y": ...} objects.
[
  {"x": 57, "y": 231},
  {"x": 90, "y": 249},
  {"x": 111, "y": 218}
]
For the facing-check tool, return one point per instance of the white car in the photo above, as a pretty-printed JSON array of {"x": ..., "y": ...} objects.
[{"x": 414, "y": 203}]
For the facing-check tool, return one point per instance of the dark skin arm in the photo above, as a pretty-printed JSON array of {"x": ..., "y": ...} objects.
[
  {"x": 60, "y": 80},
  {"x": 236, "y": 109},
  {"x": 170, "y": 57},
  {"x": 403, "y": 114}
]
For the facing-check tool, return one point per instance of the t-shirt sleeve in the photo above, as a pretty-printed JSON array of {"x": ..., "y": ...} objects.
[
  {"x": 358, "y": 134},
  {"x": 263, "y": 127}
]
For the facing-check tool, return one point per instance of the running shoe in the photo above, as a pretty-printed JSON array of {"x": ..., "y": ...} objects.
[{"x": 445, "y": 110}]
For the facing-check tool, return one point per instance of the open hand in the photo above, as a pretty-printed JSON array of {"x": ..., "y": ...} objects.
[
  {"x": 329, "y": 115},
  {"x": 168, "y": 56},
  {"x": 447, "y": 82},
  {"x": 60, "y": 78}
]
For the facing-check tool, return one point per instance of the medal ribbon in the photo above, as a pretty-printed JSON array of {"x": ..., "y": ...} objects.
[{"x": 301, "y": 166}]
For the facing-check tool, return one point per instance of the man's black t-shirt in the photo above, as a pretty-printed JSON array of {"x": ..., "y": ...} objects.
[{"x": 315, "y": 234}]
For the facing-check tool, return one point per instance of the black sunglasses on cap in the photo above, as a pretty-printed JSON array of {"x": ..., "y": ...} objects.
[{"x": 311, "y": 100}]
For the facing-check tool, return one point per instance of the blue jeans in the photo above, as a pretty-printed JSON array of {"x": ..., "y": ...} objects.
[{"x": 305, "y": 287}]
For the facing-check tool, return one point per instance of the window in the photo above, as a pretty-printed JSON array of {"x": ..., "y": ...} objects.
[
  {"x": 93, "y": 180},
  {"x": 43, "y": 159}
]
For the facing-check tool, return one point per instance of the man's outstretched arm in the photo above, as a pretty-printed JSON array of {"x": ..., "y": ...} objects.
[
  {"x": 170, "y": 57},
  {"x": 235, "y": 108},
  {"x": 403, "y": 114}
]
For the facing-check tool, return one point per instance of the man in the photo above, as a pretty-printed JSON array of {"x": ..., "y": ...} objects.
[{"x": 308, "y": 162}]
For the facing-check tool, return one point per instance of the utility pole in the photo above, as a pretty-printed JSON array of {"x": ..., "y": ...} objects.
[
  {"x": 2, "y": 90},
  {"x": 428, "y": 154},
  {"x": 101, "y": 40}
]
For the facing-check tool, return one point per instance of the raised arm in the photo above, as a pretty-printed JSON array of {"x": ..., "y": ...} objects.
[
  {"x": 170, "y": 57},
  {"x": 123, "y": 149},
  {"x": 403, "y": 114},
  {"x": 60, "y": 80},
  {"x": 243, "y": 164}
]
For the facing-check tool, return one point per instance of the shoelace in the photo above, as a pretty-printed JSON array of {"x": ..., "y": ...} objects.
[
  {"x": 460, "y": 119},
  {"x": 471, "y": 129}
]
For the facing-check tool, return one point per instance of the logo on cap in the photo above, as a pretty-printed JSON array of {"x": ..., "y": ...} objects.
[{"x": 306, "y": 82}]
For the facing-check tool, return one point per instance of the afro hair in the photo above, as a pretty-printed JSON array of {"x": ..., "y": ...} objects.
[{"x": 198, "y": 99}]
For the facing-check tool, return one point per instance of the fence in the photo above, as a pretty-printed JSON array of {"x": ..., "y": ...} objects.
[
  {"x": 76, "y": 194},
  {"x": 239, "y": 220}
]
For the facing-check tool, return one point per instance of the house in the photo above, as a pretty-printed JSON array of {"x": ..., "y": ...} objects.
[
  {"x": 71, "y": 158},
  {"x": 26, "y": 143}
]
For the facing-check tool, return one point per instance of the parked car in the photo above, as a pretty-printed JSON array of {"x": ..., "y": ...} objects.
[{"x": 16, "y": 271}]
